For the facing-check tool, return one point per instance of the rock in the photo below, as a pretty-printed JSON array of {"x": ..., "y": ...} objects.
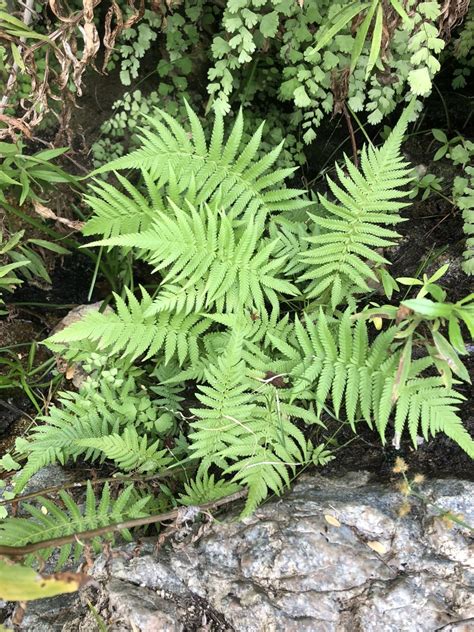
[
  {"x": 289, "y": 567},
  {"x": 49, "y": 476},
  {"x": 74, "y": 371},
  {"x": 48, "y": 615}
]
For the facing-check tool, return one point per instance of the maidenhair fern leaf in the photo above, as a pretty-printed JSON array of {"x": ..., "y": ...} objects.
[{"x": 466, "y": 204}]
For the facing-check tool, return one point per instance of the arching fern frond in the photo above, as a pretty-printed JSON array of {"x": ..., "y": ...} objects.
[
  {"x": 48, "y": 520},
  {"x": 339, "y": 366},
  {"x": 134, "y": 330},
  {"x": 224, "y": 168},
  {"x": 353, "y": 229}
]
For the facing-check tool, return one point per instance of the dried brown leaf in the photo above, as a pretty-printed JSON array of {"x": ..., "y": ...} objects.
[{"x": 47, "y": 213}]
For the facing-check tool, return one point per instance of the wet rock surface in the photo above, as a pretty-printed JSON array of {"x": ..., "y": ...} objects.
[{"x": 287, "y": 568}]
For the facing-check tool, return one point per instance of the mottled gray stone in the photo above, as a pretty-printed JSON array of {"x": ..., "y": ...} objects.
[
  {"x": 48, "y": 476},
  {"x": 286, "y": 569}
]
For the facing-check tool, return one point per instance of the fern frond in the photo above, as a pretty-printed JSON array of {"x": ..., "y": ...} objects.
[
  {"x": 207, "y": 263},
  {"x": 339, "y": 366},
  {"x": 428, "y": 407},
  {"x": 341, "y": 255},
  {"x": 246, "y": 431},
  {"x": 223, "y": 168},
  {"x": 133, "y": 331},
  {"x": 116, "y": 213},
  {"x": 204, "y": 488},
  {"x": 49, "y": 520},
  {"x": 79, "y": 420},
  {"x": 129, "y": 451}
]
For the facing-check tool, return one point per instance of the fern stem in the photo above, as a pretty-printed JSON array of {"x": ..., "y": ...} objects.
[{"x": 97, "y": 481}]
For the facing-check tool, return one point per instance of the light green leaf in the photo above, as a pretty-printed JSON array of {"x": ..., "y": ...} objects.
[
  {"x": 269, "y": 24},
  {"x": 420, "y": 81},
  {"x": 376, "y": 41},
  {"x": 340, "y": 20}
]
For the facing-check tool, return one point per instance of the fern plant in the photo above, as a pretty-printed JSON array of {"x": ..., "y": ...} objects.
[
  {"x": 343, "y": 254},
  {"x": 247, "y": 433},
  {"x": 184, "y": 164},
  {"x": 99, "y": 422},
  {"x": 368, "y": 381},
  {"x": 243, "y": 321}
]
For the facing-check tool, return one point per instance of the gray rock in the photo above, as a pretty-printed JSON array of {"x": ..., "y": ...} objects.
[
  {"x": 49, "y": 476},
  {"x": 287, "y": 568}
]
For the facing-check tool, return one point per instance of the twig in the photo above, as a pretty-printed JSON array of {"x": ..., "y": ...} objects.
[
  {"x": 18, "y": 551},
  {"x": 351, "y": 134}
]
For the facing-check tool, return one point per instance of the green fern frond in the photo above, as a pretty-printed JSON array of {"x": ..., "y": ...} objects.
[
  {"x": 221, "y": 168},
  {"x": 49, "y": 520},
  {"x": 246, "y": 429},
  {"x": 428, "y": 407},
  {"x": 133, "y": 331},
  {"x": 341, "y": 255},
  {"x": 57, "y": 440},
  {"x": 339, "y": 366},
  {"x": 116, "y": 213},
  {"x": 204, "y": 488},
  {"x": 80, "y": 419},
  {"x": 207, "y": 263},
  {"x": 129, "y": 451}
]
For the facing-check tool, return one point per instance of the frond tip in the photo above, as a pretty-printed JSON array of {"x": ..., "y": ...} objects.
[{"x": 342, "y": 254}]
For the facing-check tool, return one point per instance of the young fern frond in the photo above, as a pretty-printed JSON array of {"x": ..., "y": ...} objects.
[
  {"x": 222, "y": 168},
  {"x": 129, "y": 451},
  {"x": 341, "y": 255},
  {"x": 48, "y": 520}
]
